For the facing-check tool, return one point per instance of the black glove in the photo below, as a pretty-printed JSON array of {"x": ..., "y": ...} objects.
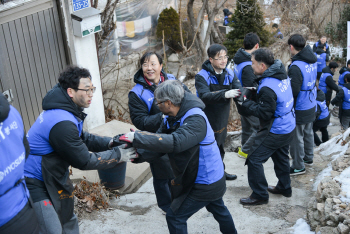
[{"x": 116, "y": 142}]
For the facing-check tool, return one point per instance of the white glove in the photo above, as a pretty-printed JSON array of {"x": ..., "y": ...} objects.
[
  {"x": 233, "y": 93},
  {"x": 251, "y": 88},
  {"x": 127, "y": 154},
  {"x": 128, "y": 137}
]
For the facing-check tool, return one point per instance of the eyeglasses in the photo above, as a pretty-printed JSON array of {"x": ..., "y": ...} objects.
[
  {"x": 221, "y": 58},
  {"x": 158, "y": 103},
  {"x": 88, "y": 91}
]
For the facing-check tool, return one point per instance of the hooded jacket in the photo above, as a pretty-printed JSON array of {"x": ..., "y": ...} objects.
[
  {"x": 265, "y": 108},
  {"x": 70, "y": 146},
  {"x": 331, "y": 85},
  {"x": 182, "y": 144},
  {"x": 305, "y": 55}
]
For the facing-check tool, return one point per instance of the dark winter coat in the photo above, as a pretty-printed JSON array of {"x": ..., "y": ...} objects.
[
  {"x": 150, "y": 121},
  {"x": 294, "y": 73},
  {"x": 248, "y": 76},
  {"x": 265, "y": 109},
  {"x": 181, "y": 143},
  {"x": 331, "y": 85},
  {"x": 338, "y": 101},
  {"x": 85, "y": 152},
  {"x": 217, "y": 106}
]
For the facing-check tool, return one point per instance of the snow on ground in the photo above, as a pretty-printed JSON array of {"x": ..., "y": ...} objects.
[
  {"x": 301, "y": 227},
  {"x": 344, "y": 179}
]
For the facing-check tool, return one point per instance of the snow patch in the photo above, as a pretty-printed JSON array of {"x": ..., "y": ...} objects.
[
  {"x": 344, "y": 179},
  {"x": 301, "y": 227}
]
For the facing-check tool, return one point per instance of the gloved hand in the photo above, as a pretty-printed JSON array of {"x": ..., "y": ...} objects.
[
  {"x": 232, "y": 93},
  {"x": 128, "y": 137},
  {"x": 126, "y": 155},
  {"x": 244, "y": 98},
  {"x": 115, "y": 141}
]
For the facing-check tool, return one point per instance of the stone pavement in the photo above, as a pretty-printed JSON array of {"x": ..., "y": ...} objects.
[{"x": 136, "y": 174}]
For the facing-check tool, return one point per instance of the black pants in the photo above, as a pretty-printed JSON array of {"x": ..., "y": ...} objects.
[
  {"x": 324, "y": 132},
  {"x": 256, "y": 176},
  {"x": 24, "y": 222}
]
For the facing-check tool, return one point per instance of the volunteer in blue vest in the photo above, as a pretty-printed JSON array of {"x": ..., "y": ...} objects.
[
  {"x": 216, "y": 85},
  {"x": 227, "y": 14},
  {"x": 274, "y": 108},
  {"x": 245, "y": 74},
  {"x": 342, "y": 99},
  {"x": 322, "y": 58},
  {"x": 57, "y": 140},
  {"x": 187, "y": 137},
  {"x": 278, "y": 33},
  {"x": 322, "y": 118},
  {"x": 17, "y": 214},
  {"x": 303, "y": 73},
  {"x": 146, "y": 116},
  {"x": 342, "y": 72},
  {"x": 321, "y": 43},
  {"x": 327, "y": 84}
]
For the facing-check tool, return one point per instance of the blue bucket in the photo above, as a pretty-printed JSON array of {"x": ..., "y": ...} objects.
[{"x": 113, "y": 178}]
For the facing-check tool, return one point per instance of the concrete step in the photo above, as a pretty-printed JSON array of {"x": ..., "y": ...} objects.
[{"x": 136, "y": 174}]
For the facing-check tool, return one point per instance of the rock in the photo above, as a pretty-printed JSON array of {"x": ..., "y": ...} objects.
[
  {"x": 334, "y": 217},
  {"x": 327, "y": 230},
  {"x": 347, "y": 221},
  {"x": 233, "y": 141},
  {"x": 320, "y": 207},
  {"x": 344, "y": 206},
  {"x": 335, "y": 174},
  {"x": 319, "y": 193},
  {"x": 173, "y": 58},
  {"x": 337, "y": 212},
  {"x": 336, "y": 200},
  {"x": 331, "y": 223},
  {"x": 328, "y": 207},
  {"x": 343, "y": 217},
  {"x": 343, "y": 229},
  {"x": 330, "y": 188}
]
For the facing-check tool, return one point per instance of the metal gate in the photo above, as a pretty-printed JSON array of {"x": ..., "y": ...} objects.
[{"x": 32, "y": 55}]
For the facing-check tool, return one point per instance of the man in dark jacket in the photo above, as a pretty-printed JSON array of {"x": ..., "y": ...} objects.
[
  {"x": 245, "y": 74},
  {"x": 321, "y": 43},
  {"x": 277, "y": 123},
  {"x": 57, "y": 140},
  {"x": 146, "y": 116},
  {"x": 303, "y": 73},
  {"x": 342, "y": 99},
  {"x": 342, "y": 72},
  {"x": 216, "y": 85},
  {"x": 227, "y": 14},
  {"x": 17, "y": 214},
  {"x": 186, "y": 136},
  {"x": 327, "y": 84},
  {"x": 322, "y": 118},
  {"x": 278, "y": 33}
]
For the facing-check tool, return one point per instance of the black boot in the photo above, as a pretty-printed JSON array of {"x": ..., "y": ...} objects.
[{"x": 230, "y": 176}]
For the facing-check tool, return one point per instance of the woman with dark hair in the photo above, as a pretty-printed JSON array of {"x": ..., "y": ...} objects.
[{"x": 146, "y": 116}]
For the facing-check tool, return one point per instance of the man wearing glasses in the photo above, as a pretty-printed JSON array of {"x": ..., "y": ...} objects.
[
  {"x": 56, "y": 141},
  {"x": 216, "y": 85}
]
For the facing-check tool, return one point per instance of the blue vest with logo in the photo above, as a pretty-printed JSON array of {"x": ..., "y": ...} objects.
[
  {"x": 322, "y": 85},
  {"x": 307, "y": 96},
  {"x": 147, "y": 95},
  {"x": 211, "y": 79},
  {"x": 38, "y": 138},
  {"x": 210, "y": 168},
  {"x": 321, "y": 61},
  {"x": 316, "y": 44},
  {"x": 346, "y": 99},
  {"x": 324, "y": 109},
  {"x": 13, "y": 191},
  {"x": 341, "y": 78},
  {"x": 239, "y": 69},
  {"x": 284, "y": 121}
]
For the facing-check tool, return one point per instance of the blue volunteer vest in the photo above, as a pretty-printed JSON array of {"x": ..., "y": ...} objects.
[
  {"x": 211, "y": 79},
  {"x": 226, "y": 21},
  {"x": 307, "y": 96},
  {"x": 210, "y": 168},
  {"x": 316, "y": 44},
  {"x": 341, "y": 78},
  {"x": 321, "y": 61},
  {"x": 346, "y": 99},
  {"x": 322, "y": 85},
  {"x": 38, "y": 138},
  {"x": 280, "y": 33},
  {"x": 284, "y": 121},
  {"x": 239, "y": 69},
  {"x": 13, "y": 192},
  {"x": 324, "y": 110},
  {"x": 147, "y": 95}
]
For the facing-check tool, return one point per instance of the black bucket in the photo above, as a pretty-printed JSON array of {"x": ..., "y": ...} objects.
[{"x": 113, "y": 178}]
